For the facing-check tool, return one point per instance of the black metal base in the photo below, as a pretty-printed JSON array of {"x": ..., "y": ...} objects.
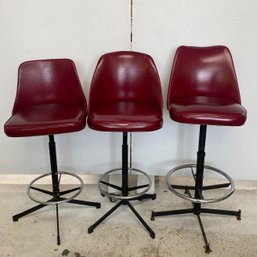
[
  {"x": 201, "y": 210},
  {"x": 56, "y": 195},
  {"x": 52, "y": 201},
  {"x": 146, "y": 196},
  {"x": 122, "y": 202},
  {"x": 197, "y": 211},
  {"x": 39, "y": 206}
]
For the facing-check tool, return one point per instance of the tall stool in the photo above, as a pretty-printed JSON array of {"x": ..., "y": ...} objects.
[
  {"x": 49, "y": 101},
  {"x": 203, "y": 90},
  {"x": 125, "y": 96}
]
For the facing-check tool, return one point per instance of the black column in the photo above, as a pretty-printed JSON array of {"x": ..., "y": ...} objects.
[
  {"x": 53, "y": 163},
  {"x": 125, "y": 164},
  {"x": 200, "y": 167}
]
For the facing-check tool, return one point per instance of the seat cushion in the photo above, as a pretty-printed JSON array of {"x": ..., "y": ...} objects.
[
  {"x": 47, "y": 119},
  {"x": 207, "y": 111},
  {"x": 125, "y": 117}
]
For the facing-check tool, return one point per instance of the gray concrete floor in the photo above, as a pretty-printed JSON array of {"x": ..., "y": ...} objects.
[{"x": 122, "y": 234}]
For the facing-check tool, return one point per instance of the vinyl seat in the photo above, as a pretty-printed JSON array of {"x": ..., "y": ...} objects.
[
  {"x": 220, "y": 111},
  {"x": 125, "y": 117},
  {"x": 45, "y": 119}
]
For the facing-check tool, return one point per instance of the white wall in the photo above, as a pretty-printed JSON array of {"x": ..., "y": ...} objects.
[{"x": 83, "y": 30}]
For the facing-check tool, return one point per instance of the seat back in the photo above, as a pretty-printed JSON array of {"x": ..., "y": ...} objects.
[
  {"x": 125, "y": 76},
  {"x": 48, "y": 81},
  {"x": 203, "y": 71}
]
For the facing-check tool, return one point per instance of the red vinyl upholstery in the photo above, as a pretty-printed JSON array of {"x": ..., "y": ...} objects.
[
  {"x": 125, "y": 93},
  {"x": 203, "y": 87},
  {"x": 49, "y": 99}
]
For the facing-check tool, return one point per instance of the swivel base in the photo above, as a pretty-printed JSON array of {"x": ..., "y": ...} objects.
[
  {"x": 198, "y": 213},
  {"x": 197, "y": 210},
  {"x": 122, "y": 202},
  {"x": 56, "y": 199},
  {"x": 125, "y": 197}
]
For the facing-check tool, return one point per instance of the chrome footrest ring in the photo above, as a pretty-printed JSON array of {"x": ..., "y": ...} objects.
[
  {"x": 210, "y": 200},
  {"x": 121, "y": 197},
  {"x": 52, "y": 202}
]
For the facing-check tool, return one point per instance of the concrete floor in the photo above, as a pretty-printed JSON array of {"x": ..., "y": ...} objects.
[{"x": 122, "y": 234}]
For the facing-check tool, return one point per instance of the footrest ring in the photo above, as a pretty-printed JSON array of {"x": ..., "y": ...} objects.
[
  {"x": 211, "y": 200},
  {"x": 121, "y": 197},
  {"x": 52, "y": 202}
]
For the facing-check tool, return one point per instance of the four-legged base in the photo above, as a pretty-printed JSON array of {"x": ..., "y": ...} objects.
[
  {"x": 197, "y": 210},
  {"x": 55, "y": 200}
]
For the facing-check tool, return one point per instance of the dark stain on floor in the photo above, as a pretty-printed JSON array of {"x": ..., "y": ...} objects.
[{"x": 66, "y": 252}]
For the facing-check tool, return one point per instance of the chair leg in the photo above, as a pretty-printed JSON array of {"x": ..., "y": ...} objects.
[
  {"x": 222, "y": 212},
  {"x": 87, "y": 203},
  {"x": 146, "y": 196},
  {"x": 92, "y": 227},
  {"x": 172, "y": 212},
  {"x": 207, "y": 244},
  {"x": 57, "y": 225},
  {"x": 152, "y": 234},
  {"x": 24, "y": 213}
]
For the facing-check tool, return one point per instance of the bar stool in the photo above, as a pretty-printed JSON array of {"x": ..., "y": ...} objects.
[
  {"x": 49, "y": 101},
  {"x": 125, "y": 96},
  {"x": 203, "y": 90}
]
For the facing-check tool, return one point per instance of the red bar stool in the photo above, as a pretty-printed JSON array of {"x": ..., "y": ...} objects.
[
  {"x": 125, "y": 96},
  {"x": 49, "y": 101},
  {"x": 203, "y": 90}
]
